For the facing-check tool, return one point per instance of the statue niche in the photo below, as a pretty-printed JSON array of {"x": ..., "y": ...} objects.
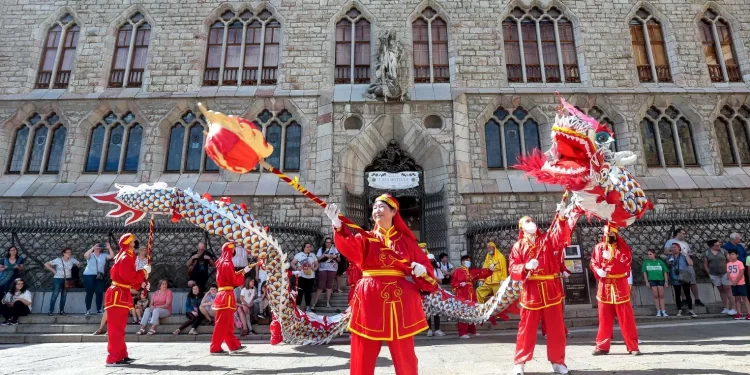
[{"x": 387, "y": 83}]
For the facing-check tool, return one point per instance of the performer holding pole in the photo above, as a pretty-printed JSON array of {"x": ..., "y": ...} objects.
[
  {"x": 610, "y": 262},
  {"x": 463, "y": 287},
  {"x": 118, "y": 301},
  {"x": 224, "y": 304},
  {"x": 535, "y": 260},
  {"x": 385, "y": 306}
]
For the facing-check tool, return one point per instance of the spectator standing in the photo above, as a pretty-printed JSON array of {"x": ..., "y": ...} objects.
[
  {"x": 207, "y": 302},
  {"x": 62, "y": 270},
  {"x": 16, "y": 302},
  {"x": 11, "y": 265},
  {"x": 341, "y": 274},
  {"x": 655, "y": 273},
  {"x": 94, "y": 279},
  {"x": 328, "y": 259},
  {"x": 715, "y": 265},
  {"x": 304, "y": 265},
  {"x": 446, "y": 268},
  {"x": 192, "y": 311},
  {"x": 736, "y": 275},
  {"x": 678, "y": 265},
  {"x": 678, "y": 236},
  {"x": 735, "y": 240},
  {"x": 161, "y": 307},
  {"x": 199, "y": 265}
]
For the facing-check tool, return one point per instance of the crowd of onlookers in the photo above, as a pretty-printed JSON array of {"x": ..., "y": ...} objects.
[{"x": 321, "y": 273}]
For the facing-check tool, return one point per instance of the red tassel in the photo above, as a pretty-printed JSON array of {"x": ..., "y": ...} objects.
[
  {"x": 243, "y": 206},
  {"x": 207, "y": 196},
  {"x": 176, "y": 217},
  {"x": 275, "y": 331},
  {"x": 226, "y": 200}
]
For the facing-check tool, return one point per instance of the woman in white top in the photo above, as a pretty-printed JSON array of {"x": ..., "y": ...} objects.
[
  {"x": 61, "y": 268},
  {"x": 16, "y": 302},
  {"x": 94, "y": 278},
  {"x": 328, "y": 259},
  {"x": 304, "y": 265},
  {"x": 245, "y": 305}
]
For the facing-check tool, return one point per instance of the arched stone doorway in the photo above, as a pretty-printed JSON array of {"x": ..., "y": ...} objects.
[{"x": 394, "y": 171}]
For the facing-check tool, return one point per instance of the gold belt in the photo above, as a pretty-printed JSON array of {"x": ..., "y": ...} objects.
[
  {"x": 225, "y": 288},
  {"x": 115, "y": 283},
  {"x": 544, "y": 277},
  {"x": 376, "y": 273},
  {"x": 617, "y": 276}
]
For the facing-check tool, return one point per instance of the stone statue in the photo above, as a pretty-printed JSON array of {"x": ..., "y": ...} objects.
[{"x": 387, "y": 80}]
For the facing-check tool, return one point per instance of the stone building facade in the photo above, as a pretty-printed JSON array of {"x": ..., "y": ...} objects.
[{"x": 468, "y": 76}]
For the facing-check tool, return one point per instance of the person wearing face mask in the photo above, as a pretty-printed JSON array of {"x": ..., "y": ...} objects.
[
  {"x": 610, "y": 262},
  {"x": 535, "y": 260},
  {"x": 386, "y": 307},
  {"x": 463, "y": 287}
]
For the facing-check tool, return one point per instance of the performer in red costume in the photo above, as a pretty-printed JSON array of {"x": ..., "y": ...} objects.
[
  {"x": 611, "y": 261},
  {"x": 462, "y": 282},
  {"x": 535, "y": 260},
  {"x": 353, "y": 275},
  {"x": 385, "y": 306},
  {"x": 118, "y": 301},
  {"x": 224, "y": 304}
]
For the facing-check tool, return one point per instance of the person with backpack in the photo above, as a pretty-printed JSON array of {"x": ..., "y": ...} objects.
[{"x": 65, "y": 271}]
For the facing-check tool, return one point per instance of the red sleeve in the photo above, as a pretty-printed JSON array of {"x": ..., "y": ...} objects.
[
  {"x": 239, "y": 278},
  {"x": 596, "y": 261},
  {"x": 352, "y": 246},
  {"x": 480, "y": 273},
  {"x": 558, "y": 235},
  {"x": 128, "y": 274},
  {"x": 458, "y": 277},
  {"x": 517, "y": 262}
]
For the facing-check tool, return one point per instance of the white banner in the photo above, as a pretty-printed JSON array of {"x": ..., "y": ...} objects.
[{"x": 393, "y": 181}]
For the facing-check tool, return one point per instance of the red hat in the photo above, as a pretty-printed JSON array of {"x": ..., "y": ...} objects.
[
  {"x": 126, "y": 239},
  {"x": 227, "y": 251},
  {"x": 398, "y": 222}
]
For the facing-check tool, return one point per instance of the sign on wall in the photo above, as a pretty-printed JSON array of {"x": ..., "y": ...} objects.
[{"x": 393, "y": 181}]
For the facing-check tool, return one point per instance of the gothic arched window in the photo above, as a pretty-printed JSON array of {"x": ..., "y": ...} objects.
[
  {"x": 114, "y": 145},
  {"x": 38, "y": 145},
  {"x": 185, "y": 151},
  {"x": 516, "y": 132}
]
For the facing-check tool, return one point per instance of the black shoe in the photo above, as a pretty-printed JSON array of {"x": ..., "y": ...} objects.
[
  {"x": 220, "y": 352},
  {"x": 241, "y": 348},
  {"x": 62, "y": 312},
  {"x": 129, "y": 360},
  {"x": 50, "y": 314},
  {"x": 119, "y": 363},
  {"x": 252, "y": 332},
  {"x": 699, "y": 303}
]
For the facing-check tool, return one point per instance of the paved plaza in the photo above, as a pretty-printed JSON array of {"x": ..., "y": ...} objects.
[{"x": 700, "y": 348}]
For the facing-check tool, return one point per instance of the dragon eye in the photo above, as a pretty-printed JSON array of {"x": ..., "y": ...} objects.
[{"x": 602, "y": 137}]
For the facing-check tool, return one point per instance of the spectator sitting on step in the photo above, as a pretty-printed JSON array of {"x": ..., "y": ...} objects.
[
  {"x": 10, "y": 267},
  {"x": 192, "y": 311},
  {"x": 242, "y": 321},
  {"x": 446, "y": 268},
  {"x": 17, "y": 302},
  {"x": 260, "y": 304},
  {"x": 245, "y": 303},
  {"x": 161, "y": 306},
  {"x": 208, "y": 300},
  {"x": 141, "y": 304}
]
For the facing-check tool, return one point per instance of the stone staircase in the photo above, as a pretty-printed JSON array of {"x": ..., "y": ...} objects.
[{"x": 40, "y": 328}]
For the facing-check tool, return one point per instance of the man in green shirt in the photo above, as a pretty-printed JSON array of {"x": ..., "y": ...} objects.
[{"x": 655, "y": 273}]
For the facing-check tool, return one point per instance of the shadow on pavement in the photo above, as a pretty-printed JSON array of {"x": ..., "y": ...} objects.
[{"x": 187, "y": 368}]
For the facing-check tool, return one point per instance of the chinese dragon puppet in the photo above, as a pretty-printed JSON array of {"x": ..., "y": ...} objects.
[{"x": 598, "y": 182}]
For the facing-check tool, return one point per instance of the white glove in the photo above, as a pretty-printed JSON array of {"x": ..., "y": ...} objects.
[
  {"x": 561, "y": 209},
  {"x": 295, "y": 273},
  {"x": 492, "y": 267},
  {"x": 565, "y": 274},
  {"x": 332, "y": 211},
  {"x": 247, "y": 269},
  {"x": 147, "y": 268},
  {"x": 148, "y": 286},
  {"x": 532, "y": 264},
  {"x": 606, "y": 255},
  {"x": 462, "y": 284},
  {"x": 602, "y": 273},
  {"x": 481, "y": 283},
  {"x": 418, "y": 269}
]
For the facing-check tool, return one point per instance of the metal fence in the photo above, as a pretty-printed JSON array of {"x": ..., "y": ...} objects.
[
  {"x": 40, "y": 241},
  {"x": 651, "y": 232}
]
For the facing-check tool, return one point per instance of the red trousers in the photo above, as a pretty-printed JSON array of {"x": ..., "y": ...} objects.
[
  {"x": 625, "y": 317},
  {"x": 544, "y": 327},
  {"x": 224, "y": 331},
  {"x": 527, "y": 331},
  {"x": 365, "y": 354},
  {"x": 117, "y": 320},
  {"x": 465, "y": 329}
]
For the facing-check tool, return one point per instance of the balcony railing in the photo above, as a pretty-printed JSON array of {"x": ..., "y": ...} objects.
[
  {"x": 515, "y": 73},
  {"x": 644, "y": 73},
  {"x": 572, "y": 73},
  {"x": 43, "y": 80},
  {"x": 714, "y": 70},
  {"x": 553, "y": 73},
  {"x": 362, "y": 74},
  {"x": 342, "y": 74},
  {"x": 533, "y": 73},
  {"x": 211, "y": 77},
  {"x": 421, "y": 74},
  {"x": 250, "y": 76},
  {"x": 135, "y": 78},
  {"x": 663, "y": 74},
  {"x": 116, "y": 77},
  {"x": 442, "y": 73},
  {"x": 269, "y": 76},
  {"x": 230, "y": 76},
  {"x": 62, "y": 80},
  {"x": 733, "y": 71}
]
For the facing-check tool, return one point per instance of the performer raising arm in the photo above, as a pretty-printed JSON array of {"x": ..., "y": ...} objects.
[
  {"x": 118, "y": 301},
  {"x": 463, "y": 287},
  {"x": 225, "y": 304},
  {"x": 385, "y": 306},
  {"x": 535, "y": 260}
]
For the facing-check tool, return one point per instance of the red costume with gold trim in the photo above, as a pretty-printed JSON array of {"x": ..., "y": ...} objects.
[
  {"x": 467, "y": 292},
  {"x": 613, "y": 292},
  {"x": 225, "y": 304},
  {"x": 118, "y": 301},
  {"x": 542, "y": 292},
  {"x": 385, "y": 306},
  {"x": 353, "y": 275}
]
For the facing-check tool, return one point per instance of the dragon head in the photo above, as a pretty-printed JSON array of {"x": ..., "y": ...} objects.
[{"x": 136, "y": 201}]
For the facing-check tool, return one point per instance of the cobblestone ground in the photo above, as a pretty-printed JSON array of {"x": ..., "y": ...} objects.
[{"x": 705, "y": 348}]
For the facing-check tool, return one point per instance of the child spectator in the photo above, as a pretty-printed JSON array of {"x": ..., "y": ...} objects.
[
  {"x": 192, "y": 311},
  {"x": 208, "y": 300},
  {"x": 140, "y": 305},
  {"x": 736, "y": 274},
  {"x": 655, "y": 273}
]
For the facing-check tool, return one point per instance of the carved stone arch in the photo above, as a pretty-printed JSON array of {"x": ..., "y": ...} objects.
[
  {"x": 39, "y": 36},
  {"x": 408, "y": 39},
  {"x": 375, "y": 137},
  {"x": 669, "y": 38},
  {"x": 110, "y": 40},
  {"x": 706, "y": 151},
  {"x": 330, "y": 38},
  {"x": 510, "y": 103},
  {"x": 738, "y": 36},
  {"x": 579, "y": 36}
]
